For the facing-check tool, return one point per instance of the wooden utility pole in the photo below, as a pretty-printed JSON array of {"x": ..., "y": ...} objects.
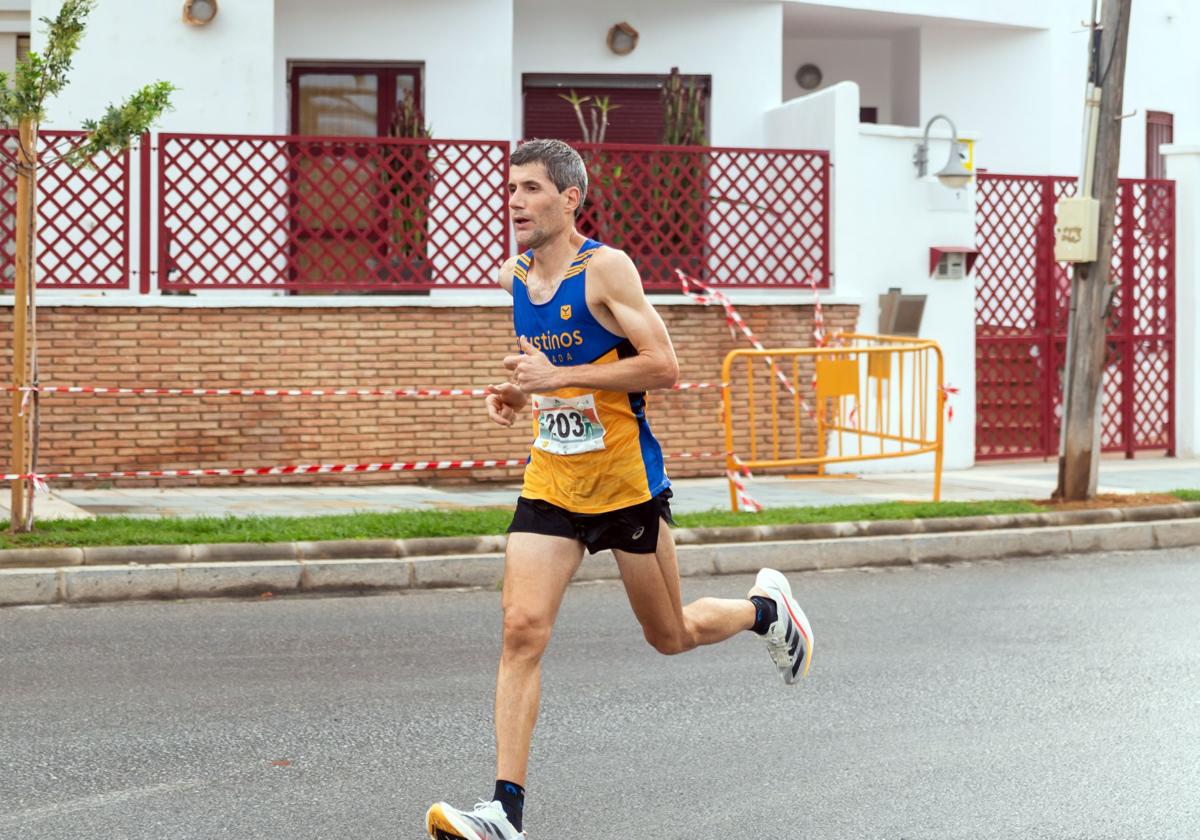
[
  {"x": 21, "y": 462},
  {"x": 1091, "y": 289}
]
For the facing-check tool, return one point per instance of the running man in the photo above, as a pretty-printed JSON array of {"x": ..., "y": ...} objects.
[{"x": 591, "y": 346}]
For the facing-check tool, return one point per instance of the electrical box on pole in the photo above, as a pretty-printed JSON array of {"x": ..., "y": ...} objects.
[{"x": 1077, "y": 222}]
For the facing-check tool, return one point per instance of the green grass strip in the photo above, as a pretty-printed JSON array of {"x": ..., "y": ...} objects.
[{"x": 126, "y": 530}]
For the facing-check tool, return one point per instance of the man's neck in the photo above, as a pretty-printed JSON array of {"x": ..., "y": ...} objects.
[{"x": 551, "y": 260}]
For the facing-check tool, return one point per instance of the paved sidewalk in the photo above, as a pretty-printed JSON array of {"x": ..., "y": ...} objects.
[{"x": 991, "y": 480}]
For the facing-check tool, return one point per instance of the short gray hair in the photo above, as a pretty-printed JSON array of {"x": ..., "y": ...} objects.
[{"x": 563, "y": 165}]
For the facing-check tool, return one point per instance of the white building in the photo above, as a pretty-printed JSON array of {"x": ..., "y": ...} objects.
[{"x": 1010, "y": 74}]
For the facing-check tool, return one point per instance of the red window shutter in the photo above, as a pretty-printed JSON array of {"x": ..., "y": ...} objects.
[
  {"x": 1160, "y": 129},
  {"x": 638, "y": 120}
]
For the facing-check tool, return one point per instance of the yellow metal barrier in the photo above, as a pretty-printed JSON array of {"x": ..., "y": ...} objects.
[{"x": 870, "y": 397}]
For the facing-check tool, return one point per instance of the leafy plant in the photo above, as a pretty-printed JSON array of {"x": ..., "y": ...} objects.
[
  {"x": 598, "y": 110},
  {"x": 683, "y": 111},
  {"x": 678, "y": 197},
  {"x": 411, "y": 174}
]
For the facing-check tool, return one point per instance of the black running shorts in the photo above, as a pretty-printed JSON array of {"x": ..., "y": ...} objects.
[{"x": 633, "y": 529}]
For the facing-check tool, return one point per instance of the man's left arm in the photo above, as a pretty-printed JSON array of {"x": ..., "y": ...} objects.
[{"x": 654, "y": 366}]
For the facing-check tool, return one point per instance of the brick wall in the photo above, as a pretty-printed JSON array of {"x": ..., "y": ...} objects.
[{"x": 334, "y": 347}]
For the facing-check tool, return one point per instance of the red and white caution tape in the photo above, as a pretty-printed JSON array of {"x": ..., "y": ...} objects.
[
  {"x": 302, "y": 469},
  {"x": 819, "y": 337},
  {"x": 288, "y": 392},
  {"x": 262, "y": 392},
  {"x": 948, "y": 391},
  {"x": 745, "y": 500},
  {"x": 706, "y": 296},
  {"x": 311, "y": 469}
]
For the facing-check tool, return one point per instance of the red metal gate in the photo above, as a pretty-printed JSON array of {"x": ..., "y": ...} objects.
[{"x": 1022, "y": 301}]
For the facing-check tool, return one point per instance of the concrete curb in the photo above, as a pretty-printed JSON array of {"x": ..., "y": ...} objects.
[
  {"x": 83, "y": 583},
  {"x": 442, "y": 546}
]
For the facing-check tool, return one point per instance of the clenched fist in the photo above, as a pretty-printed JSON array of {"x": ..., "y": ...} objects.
[{"x": 532, "y": 371}]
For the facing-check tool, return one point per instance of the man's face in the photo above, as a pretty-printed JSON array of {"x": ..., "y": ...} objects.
[{"x": 539, "y": 211}]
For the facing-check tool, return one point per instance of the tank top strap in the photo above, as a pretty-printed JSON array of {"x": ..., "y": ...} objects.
[
  {"x": 521, "y": 269},
  {"x": 580, "y": 263}
]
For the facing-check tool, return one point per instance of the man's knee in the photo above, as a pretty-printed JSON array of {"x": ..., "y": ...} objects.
[
  {"x": 526, "y": 632},
  {"x": 668, "y": 642}
]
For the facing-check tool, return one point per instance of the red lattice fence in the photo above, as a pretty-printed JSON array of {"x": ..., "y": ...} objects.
[
  {"x": 330, "y": 214},
  {"x": 353, "y": 215},
  {"x": 83, "y": 219},
  {"x": 731, "y": 217},
  {"x": 1022, "y": 309}
]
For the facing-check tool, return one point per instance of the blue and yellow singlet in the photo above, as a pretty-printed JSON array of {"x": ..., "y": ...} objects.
[{"x": 592, "y": 450}]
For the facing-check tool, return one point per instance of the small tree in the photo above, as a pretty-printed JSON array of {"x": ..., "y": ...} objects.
[{"x": 23, "y": 97}]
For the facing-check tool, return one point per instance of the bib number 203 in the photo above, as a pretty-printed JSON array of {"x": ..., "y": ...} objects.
[{"x": 567, "y": 426}]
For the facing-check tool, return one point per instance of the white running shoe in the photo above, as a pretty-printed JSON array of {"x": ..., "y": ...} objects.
[
  {"x": 486, "y": 822},
  {"x": 789, "y": 639}
]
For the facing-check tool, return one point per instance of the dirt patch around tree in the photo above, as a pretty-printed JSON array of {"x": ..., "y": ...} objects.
[{"x": 1110, "y": 500}]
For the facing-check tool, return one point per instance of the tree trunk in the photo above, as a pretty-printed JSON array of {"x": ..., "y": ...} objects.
[{"x": 21, "y": 517}]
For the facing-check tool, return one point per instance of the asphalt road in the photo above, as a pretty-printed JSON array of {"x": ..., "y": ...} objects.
[{"x": 1041, "y": 699}]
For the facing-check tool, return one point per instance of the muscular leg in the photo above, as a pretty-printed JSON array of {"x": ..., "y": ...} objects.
[
  {"x": 537, "y": 569},
  {"x": 652, "y": 583}
]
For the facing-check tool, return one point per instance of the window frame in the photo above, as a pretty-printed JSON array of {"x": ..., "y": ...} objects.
[
  {"x": 614, "y": 81},
  {"x": 386, "y": 87},
  {"x": 1164, "y": 122}
]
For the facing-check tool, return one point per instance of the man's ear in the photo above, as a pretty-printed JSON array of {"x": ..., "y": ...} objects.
[{"x": 572, "y": 195}]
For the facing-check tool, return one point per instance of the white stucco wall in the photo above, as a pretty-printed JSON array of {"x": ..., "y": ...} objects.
[
  {"x": 221, "y": 70},
  {"x": 865, "y": 61},
  {"x": 1004, "y": 12},
  {"x": 992, "y": 80},
  {"x": 464, "y": 45},
  {"x": 738, "y": 44},
  {"x": 884, "y": 222},
  {"x": 1023, "y": 89},
  {"x": 8, "y": 52},
  {"x": 901, "y": 217},
  {"x": 1183, "y": 166}
]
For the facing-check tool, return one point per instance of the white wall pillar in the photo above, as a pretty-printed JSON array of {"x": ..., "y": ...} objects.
[
  {"x": 884, "y": 222},
  {"x": 1183, "y": 167}
]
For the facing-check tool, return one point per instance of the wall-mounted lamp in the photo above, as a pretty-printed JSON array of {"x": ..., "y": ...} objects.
[
  {"x": 199, "y": 12},
  {"x": 956, "y": 174}
]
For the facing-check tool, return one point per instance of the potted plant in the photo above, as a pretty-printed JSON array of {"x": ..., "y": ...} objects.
[
  {"x": 678, "y": 197},
  {"x": 409, "y": 178}
]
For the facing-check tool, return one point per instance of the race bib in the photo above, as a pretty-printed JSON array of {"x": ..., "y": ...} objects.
[{"x": 567, "y": 425}]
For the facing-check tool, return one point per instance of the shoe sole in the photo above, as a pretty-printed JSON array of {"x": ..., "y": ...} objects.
[
  {"x": 769, "y": 579},
  {"x": 440, "y": 826}
]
